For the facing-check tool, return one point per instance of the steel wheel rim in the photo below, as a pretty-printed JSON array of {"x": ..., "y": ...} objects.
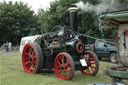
[
  {"x": 90, "y": 59},
  {"x": 113, "y": 60},
  {"x": 63, "y": 67},
  {"x": 29, "y": 59}
]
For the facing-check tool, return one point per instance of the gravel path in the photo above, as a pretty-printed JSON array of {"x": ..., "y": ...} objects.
[{"x": 13, "y": 53}]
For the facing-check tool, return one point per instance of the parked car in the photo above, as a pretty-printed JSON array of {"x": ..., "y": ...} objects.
[{"x": 104, "y": 49}]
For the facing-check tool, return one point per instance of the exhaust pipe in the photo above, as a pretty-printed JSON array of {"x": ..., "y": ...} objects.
[{"x": 73, "y": 17}]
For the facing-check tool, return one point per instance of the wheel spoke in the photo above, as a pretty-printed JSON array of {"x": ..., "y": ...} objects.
[
  {"x": 68, "y": 64},
  {"x": 26, "y": 54},
  {"x": 33, "y": 59},
  {"x": 62, "y": 59},
  {"x": 59, "y": 63},
  {"x": 33, "y": 53},
  {"x": 68, "y": 72},
  {"x": 88, "y": 70},
  {"x": 30, "y": 69},
  {"x": 28, "y": 62},
  {"x": 67, "y": 61},
  {"x": 34, "y": 63},
  {"x": 30, "y": 55},
  {"x": 92, "y": 70},
  {"x": 63, "y": 72},
  {"x": 60, "y": 70},
  {"x": 30, "y": 50},
  {"x": 34, "y": 56},
  {"x": 94, "y": 62},
  {"x": 93, "y": 67}
]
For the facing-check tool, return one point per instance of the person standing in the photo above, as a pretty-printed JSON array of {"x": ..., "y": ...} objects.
[
  {"x": 7, "y": 46},
  {"x": 10, "y": 46}
]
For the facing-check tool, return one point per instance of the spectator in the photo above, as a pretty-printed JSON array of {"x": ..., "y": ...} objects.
[
  {"x": 4, "y": 45},
  {"x": 10, "y": 46},
  {"x": 7, "y": 46}
]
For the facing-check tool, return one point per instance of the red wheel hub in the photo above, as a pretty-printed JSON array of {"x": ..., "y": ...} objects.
[
  {"x": 63, "y": 67},
  {"x": 90, "y": 59},
  {"x": 29, "y": 59}
]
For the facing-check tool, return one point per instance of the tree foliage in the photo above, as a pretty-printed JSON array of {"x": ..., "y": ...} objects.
[
  {"x": 58, "y": 15},
  {"x": 16, "y": 20}
]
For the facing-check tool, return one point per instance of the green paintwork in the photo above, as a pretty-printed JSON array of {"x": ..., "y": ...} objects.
[
  {"x": 117, "y": 16},
  {"x": 58, "y": 44},
  {"x": 112, "y": 15},
  {"x": 118, "y": 74}
]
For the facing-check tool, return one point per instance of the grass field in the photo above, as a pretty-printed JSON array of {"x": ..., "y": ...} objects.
[{"x": 11, "y": 73}]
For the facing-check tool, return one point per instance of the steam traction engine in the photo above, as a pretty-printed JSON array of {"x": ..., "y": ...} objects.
[{"x": 63, "y": 51}]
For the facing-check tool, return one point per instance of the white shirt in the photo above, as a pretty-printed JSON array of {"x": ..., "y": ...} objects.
[{"x": 10, "y": 44}]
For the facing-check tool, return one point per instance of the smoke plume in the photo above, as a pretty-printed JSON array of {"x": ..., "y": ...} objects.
[{"x": 104, "y": 6}]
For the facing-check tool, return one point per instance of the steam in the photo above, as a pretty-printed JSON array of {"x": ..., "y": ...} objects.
[{"x": 104, "y": 6}]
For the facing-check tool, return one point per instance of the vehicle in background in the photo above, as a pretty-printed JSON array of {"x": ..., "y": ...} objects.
[
  {"x": 25, "y": 40},
  {"x": 104, "y": 49}
]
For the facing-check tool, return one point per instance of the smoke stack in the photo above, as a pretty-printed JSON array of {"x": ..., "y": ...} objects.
[{"x": 73, "y": 17}]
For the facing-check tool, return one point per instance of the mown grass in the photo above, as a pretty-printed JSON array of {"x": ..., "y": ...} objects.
[{"x": 11, "y": 73}]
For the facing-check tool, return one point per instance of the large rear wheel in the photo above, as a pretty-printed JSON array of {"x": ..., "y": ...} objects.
[
  {"x": 64, "y": 66},
  {"x": 93, "y": 64},
  {"x": 32, "y": 59}
]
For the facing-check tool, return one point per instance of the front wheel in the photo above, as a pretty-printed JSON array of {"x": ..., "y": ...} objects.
[
  {"x": 93, "y": 63},
  {"x": 32, "y": 58},
  {"x": 64, "y": 66},
  {"x": 113, "y": 57}
]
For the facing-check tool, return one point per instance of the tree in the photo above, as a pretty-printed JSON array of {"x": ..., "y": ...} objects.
[
  {"x": 88, "y": 22},
  {"x": 16, "y": 20},
  {"x": 58, "y": 15}
]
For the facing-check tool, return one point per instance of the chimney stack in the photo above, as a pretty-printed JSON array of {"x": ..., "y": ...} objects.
[{"x": 73, "y": 17}]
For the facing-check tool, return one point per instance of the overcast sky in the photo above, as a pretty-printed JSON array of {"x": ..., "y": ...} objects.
[{"x": 35, "y": 4}]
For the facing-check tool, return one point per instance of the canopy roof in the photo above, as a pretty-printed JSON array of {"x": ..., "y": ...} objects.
[{"x": 118, "y": 16}]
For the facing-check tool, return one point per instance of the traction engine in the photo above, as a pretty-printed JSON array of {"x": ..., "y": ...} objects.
[{"x": 62, "y": 51}]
